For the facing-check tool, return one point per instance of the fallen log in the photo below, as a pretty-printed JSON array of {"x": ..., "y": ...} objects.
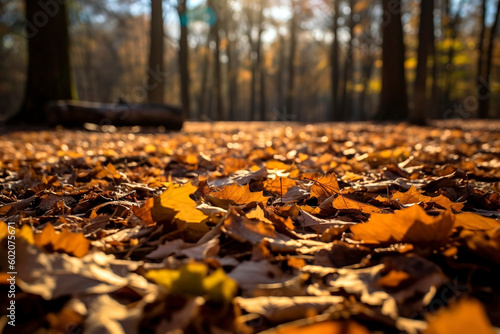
[{"x": 77, "y": 113}]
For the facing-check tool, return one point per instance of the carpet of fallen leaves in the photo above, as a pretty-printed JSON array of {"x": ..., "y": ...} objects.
[{"x": 244, "y": 228}]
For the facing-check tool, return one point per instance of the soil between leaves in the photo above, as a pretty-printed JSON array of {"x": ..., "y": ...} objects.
[{"x": 249, "y": 227}]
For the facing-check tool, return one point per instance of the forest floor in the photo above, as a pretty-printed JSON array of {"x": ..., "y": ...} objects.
[{"x": 250, "y": 227}]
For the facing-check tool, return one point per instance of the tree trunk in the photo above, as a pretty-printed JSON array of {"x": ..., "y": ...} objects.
[
  {"x": 337, "y": 113},
  {"x": 393, "y": 99},
  {"x": 281, "y": 72},
  {"x": 184, "y": 58},
  {"x": 49, "y": 69},
  {"x": 214, "y": 34},
  {"x": 345, "y": 105},
  {"x": 450, "y": 67},
  {"x": 155, "y": 71},
  {"x": 232, "y": 71},
  {"x": 367, "y": 70},
  {"x": 481, "y": 87},
  {"x": 261, "y": 64},
  {"x": 204, "y": 81},
  {"x": 425, "y": 38},
  {"x": 290, "y": 94},
  {"x": 484, "y": 101}
]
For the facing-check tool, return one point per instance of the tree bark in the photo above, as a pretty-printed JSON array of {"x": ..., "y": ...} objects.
[
  {"x": 425, "y": 38},
  {"x": 184, "y": 58},
  {"x": 49, "y": 68},
  {"x": 156, "y": 84},
  {"x": 336, "y": 113},
  {"x": 393, "y": 97}
]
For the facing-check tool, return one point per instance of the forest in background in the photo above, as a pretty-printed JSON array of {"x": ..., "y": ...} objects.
[{"x": 313, "y": 60}]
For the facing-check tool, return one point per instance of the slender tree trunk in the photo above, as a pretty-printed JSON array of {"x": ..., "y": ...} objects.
[
  {"x": 204, "y": 81},
  {"x": 214, "y": 33},
  {"x": 184, "y": 58},
  {"x": 232, "y": 72},
  {"x": 453, "y": 33},
  {"x": 425, "y": 38},
  {"x": 481, "y": 80},
  {"x": 433, "y": 103},
  {"x": 156, "y": 85},
  {"x": 393, "y": 99},
  {"x": 345, "y": 104},
  {"x": 49, "y": 69},
  {"x": 261, "y": 64},
  {"x": 281, "y": 72},
  {"x": 336, "y": 111},
  {"x": 367, "y": 73},
  {"x": 484, "y": 101},
  {"x": 290, "y": 94}
]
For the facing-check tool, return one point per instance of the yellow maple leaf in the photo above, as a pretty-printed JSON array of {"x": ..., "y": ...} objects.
[
  {"x": 193, "y": 279},
  {"x": 176, "y": 203}
]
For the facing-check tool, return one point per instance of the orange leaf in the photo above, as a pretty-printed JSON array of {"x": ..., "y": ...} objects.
[
  {"x": 411, "y": 225},
  {"x": 330, "y": 327},
  {"x": 467, "y": 316},
  {"x": 414, "y": 196},
  {"x": 474, "y": 222},
  {"x": 325, "y": 187},
  {"x": 65, "y": 241},
  {"x": 277, "y": 187},
  {"x": 345, "y": 203},
  {"x": 235, "y": 194}
]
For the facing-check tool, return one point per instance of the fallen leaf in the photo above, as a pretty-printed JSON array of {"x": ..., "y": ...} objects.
[
  {"x": 235, "y": 195},
  {"x": 325, "y": 187},
  {"x": 474, "y": 222},
  {"x": 344, "y": 203},
  {"x": 193, "y": 279},
  {"x": 65, "y": 241},
  {"x": 279, "y": 185},
  {"x": 175, "y": 202},
  {"x": 410, "y": 225},
  {"x": 466, "y": 316},
  {"x": 414, "y": 196}
]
